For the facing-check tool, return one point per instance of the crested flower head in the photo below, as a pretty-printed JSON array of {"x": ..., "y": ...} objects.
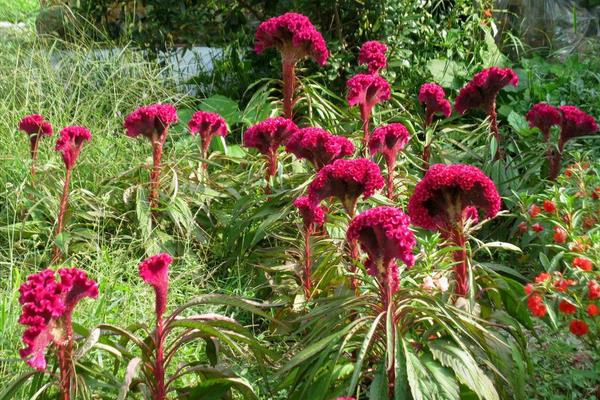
[
  {"x": 45, "y": 303},
  {"x": 383, "y": 233},
  {"x": 70, "y": 143},
  {"x": 150, "y": 120},
  {"x": 155, "y": 271},
  {"x": 441, "y": 197},
  {"x": 35, "y": 124},
  {"x": 372, "y": 53},
  {"x": 268, "y": 135},
  {"x": 543, "y": 116},
  {"x": 318, "y": 146},
  {"x": 575, "y": 123},
  {"x": 389, "y": 140},
  {"x": 367, "y": 90},
  {"x": 294, "y": 36},
  {"x": 347, "y": 180},
  {"x": 207, "y": 124},
  {"x": 433, "y": 97},
  {"x": 313, "y": 215},
  {"x": 480, "y": 93}
]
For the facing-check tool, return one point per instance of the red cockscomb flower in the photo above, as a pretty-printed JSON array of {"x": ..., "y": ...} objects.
[
  {"x": 70, "y": 142},
  {"x": 313, "y": 215},
  {"x": 346, "y": 180},
  {"x": 267, "y": 136},
  {"x": 366, "y": 91},
  {"x": 549, "y": 206},
  {"x": 372, "y": 53},
  {"x": 534, "y": 211},
  {"x": 566, "y": 307},
  {"x": 445, "y": 191},
  {"x": 384, "y": 234},
  {"x": 543, "y": 116},
  {"x": 35, "y": 124},
  {"x": 582, "y": 263},
  {"x": 433, "y": 97},
  {"x": 155, "y": 271},
  {"x": 151, "y": 121},
  {"x": 537, "y": 228},
  {"x": 318, "y": 146},
  {"x": 593, "y": 310},
  {"x": 389, "y": 140},
  {"x": 560, "y": 235},
  {"x": 593, "y": 290},
  {"x": 536, "y": 305},
  {"x": 480, "y": 93},
  {"x": 206, "y": 125},
  {"x": 578, "y": 327}
]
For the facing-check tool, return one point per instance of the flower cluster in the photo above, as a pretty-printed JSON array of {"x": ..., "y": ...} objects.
[
  {"x": 313, "y": 215},
  {"x": 268, "y": 135},
  {"x": 294, "y": 36},
  {"x": 575, "y": 123},
  {"x": 70, "y": 143},
  {"x": 318, "y": 146},
  {"x": 389, "y": 140},
  {"x": 433, "y": 97},
  {"x": 372, "y": 53},
  {"x": 150, "y": 120},
  {"x": 35, "y": 124},
  {"x": 155, "y": 271},
  {"x": 480, "y": 93},
  {"x": 367, "y": 90},
  {"x": 207, "y": 125},
  {"x": 47, "y": 308},
  {"x": 543, "y": 116}
]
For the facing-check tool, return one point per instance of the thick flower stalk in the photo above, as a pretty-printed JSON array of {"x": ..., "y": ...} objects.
[
  {"x": 433, "y": 98},
  {"x": 206, "y": 125},
  {"x": 69, "y": 143},
  {"x": 481, "y": 92},
  {"x": 372, "y": 53},
  {"x": 389, "y": 140},
  {"x": 445, "y": 200},
  {"x": 384, "y": 234},
  {"x": 318, "y": 146},
  {"x": 48, "y": 307},
  {"x": 266, "y": 137},
  {"x": 313, "y": 216},
  {"x": 295, "y": 37},
  {"x": 366, "y": 91},
  {"x": 155, "y": 272},
  {"x": 574, "y": 123},
  {"x": 153, "y": 123},
  {"x": 36, "y": 127},
  {"x": 543, "y": 116}
]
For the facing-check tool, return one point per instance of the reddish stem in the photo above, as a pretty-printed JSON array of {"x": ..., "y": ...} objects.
[
  {"x": 306, "y": 278},
  {"x": 65, "y": 360},
  {"x": 34, "y": 141},
  {"x": 61, "y": 215},
  {"x": 205, "y": 144},
  {"x": 556, "y": 161},
  {"x": 427, "y": 148},
  {"x": 495, "y": 132},
  {"x": 289, "y": 84},
  {"x": 160, "y": 392},
  {"x": 365, "y": 116},
  {"x": 391, "y": 165},
  {"x": 461, "y": 269},
  {"x": 157, "y": 148}
]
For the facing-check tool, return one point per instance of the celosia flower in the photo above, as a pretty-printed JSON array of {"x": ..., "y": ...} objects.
[
  {"x": 549, "y": 206},
  {"x": 480, "y": 93},
  {"x": 384, "y": 234},
  {"x": 578, "y": 327},
  {"x": 267, "y": 136},
  {"x": 433, "y": 97},
  {"x": 346, "y": 180},
  {"x": 543, "y": 116},
  {"x": 318, "y": 146},
  {"x": 206, "y": 125},
  {"x": 593, "y": 310},
  {"x": 537, "y": 228},
  {"x": 313, "y": 215},
  {"x": 366, "y": 91},
  {"x": 47, "y": 308},
  {"x": 70, "y": 143},
  {"x": 534, "y": 211},
  {"x": 155, "y": 272},
  {"x": 389, "y": 140},
  {"x": 560, "y": 235},
  {"x": 566, "y": 307},
  {"x": 372, "y": 53},
  {"x": 294, "y": 36},
  {"x": 35, "y": 124},
  {"x": 593, "y": 290},
  {"x": 536, "y": 305},
  {"x": 470, "y": 213},
  {"x": 582, "y": 263},
  {"x": 523, "y": 227},
  {"x": 542, "y": 277},
  {"x": 562, "y": 285},
  {"x": 575, "y": 123},
  {"x": 150, "y": 121},
  {"x": 445, "y": 191}
]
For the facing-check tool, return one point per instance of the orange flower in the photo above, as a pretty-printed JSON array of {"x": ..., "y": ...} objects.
[
  {"x": 566, "y": 308},
  {"x": 549, "y": 206},
  {"x": 582, "y": 263},
  {"x": 593, "y": 310}
]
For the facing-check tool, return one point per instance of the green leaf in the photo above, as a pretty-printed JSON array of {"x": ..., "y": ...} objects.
[
  {"x": 500, "y": 245},
  {"x": 215, "y": 389},
  {"x": 224, "y": 106},
  {"x": 378, "y": 388},
  {"x": 446, "y": 71},
  {"x": 90, "y": 341},
  {"x": 13, "y": 387},
  {"x": 427, "y": 381},
  {"x": 130, "y": 373},
  {"x": 364, "y": 348}
]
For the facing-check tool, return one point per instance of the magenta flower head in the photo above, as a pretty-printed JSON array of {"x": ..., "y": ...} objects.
[
  {"x": 267, "y": 136},
  {"x": 441, "y": 197},
  {"x": 389, "y": 140},
  {"x": 384, "y": 234},
  {"x": 155, "y": 271},
  {"x": 433, "y": 97},
  {"x": 372, "y": 53},
  {"x": 35, "y": 124},
  {"x": 575, "y": 123},
  {"x": 346, "y": 180},
  {"x": 318, "y": 146},
  {"x": 366, "y": 91},
  {"x": 70, "y": 143},
  {"x": 543, "y": 116},
  {"x": 313, "y": 214},
  {"x": 294, "y": 36},
  {"x": 480, "y": 93},
  {"x": 151, "y": 121},
  {"x": 47, "y": 309},
  {"x": 206, "y": 125}
]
